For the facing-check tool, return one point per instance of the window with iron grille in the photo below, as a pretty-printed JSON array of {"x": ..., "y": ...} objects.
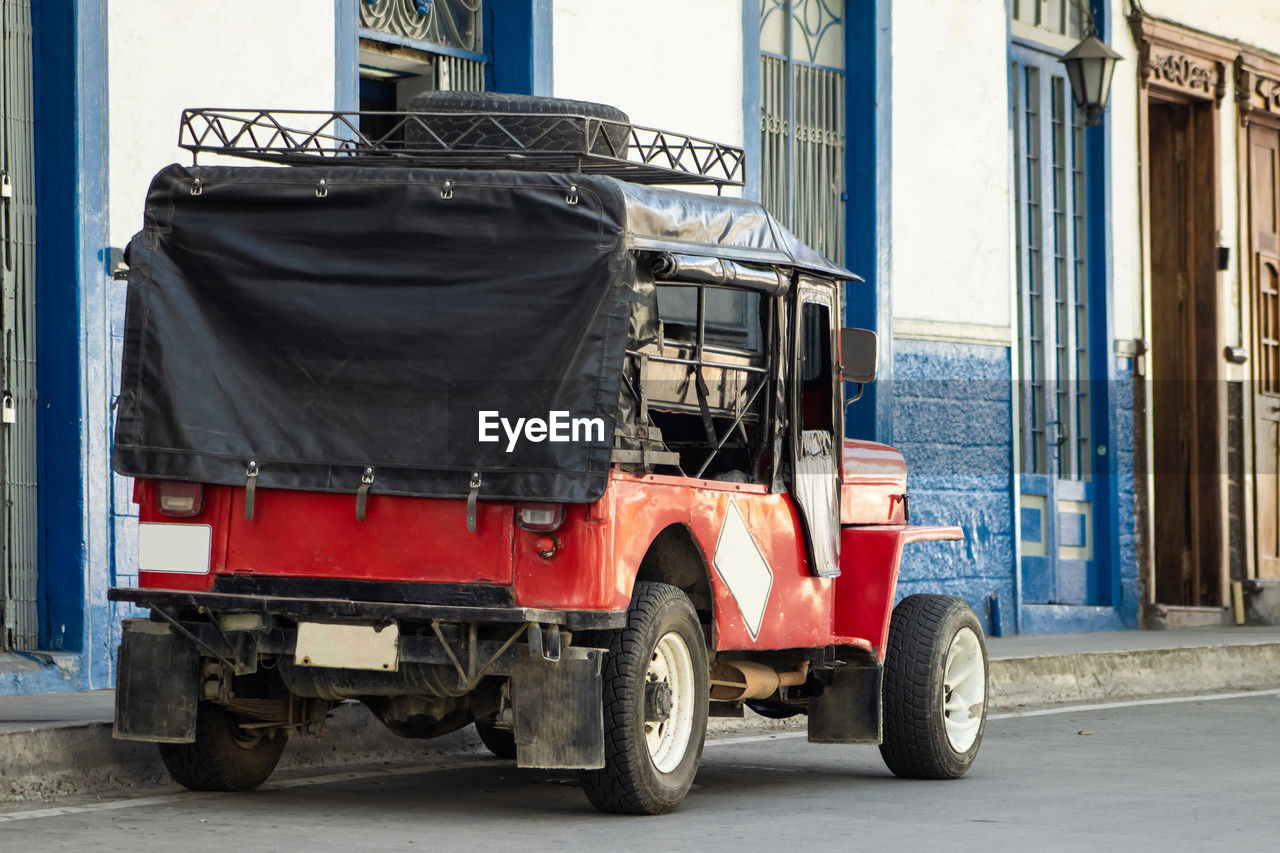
[
  {"x": 1053, "y": 303},
  {"x": 803, "y": 119},
  {"x": 413, "y": 46},
  {"x": 1062, "y": 556},
  {"x": 454, "y": 24}
]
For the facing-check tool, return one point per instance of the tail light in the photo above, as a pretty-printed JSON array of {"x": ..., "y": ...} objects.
[
  {"x": 180, "y": 500},
  {"x": 540, "y": 518}
]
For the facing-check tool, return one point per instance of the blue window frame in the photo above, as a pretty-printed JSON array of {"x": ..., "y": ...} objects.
[{"x": 1060, "y": 553}]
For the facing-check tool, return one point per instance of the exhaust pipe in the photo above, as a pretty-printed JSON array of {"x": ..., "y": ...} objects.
[{"x": 733, "y": 681}]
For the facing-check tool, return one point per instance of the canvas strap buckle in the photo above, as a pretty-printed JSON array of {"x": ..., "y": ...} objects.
[
  {"x": 473, "y": 495},
  {"x": 362, "y": 493},
  {"x": 250, "y": 487}
]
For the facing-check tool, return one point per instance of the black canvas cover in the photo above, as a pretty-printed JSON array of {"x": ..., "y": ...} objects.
[{"x": 323, "y": 321}]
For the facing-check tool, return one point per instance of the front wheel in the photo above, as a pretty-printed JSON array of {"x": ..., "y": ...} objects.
[
  {"x": 656, "y": 684},
  {"x": 224, "y": 757},
  {"x": 935, "y": 688}
]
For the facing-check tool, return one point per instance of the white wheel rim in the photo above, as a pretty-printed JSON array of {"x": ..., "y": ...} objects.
[
  {"x": 671, "y": 663},
  {"x": 964, "y": 688}
]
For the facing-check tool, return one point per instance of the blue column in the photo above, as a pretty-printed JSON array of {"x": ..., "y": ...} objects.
[
  {"x": 62, "y": 187},
  {"x": 751, "y": 131},
  {"x": 346, "y": 83},
  {"x": 867, "y": 210},
  {"x": 517, "y": 38},
  {"x": 1112, "y": 407}
]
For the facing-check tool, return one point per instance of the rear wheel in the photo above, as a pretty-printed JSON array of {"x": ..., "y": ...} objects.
[
  {"x": 656, "y": 683},
  {"x": 935, "y": 688},
  {"x": 224, "y": 757},
  {"x": 501, "y": 742}
]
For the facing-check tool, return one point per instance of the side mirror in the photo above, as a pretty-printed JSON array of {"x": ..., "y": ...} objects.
[{"x": 859, "y": 355}]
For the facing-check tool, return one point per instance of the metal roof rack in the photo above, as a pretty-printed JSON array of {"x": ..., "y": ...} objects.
[{"x": 482, "y": 140}]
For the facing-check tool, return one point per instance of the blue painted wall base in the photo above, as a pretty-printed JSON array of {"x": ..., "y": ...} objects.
[
  {"x": 952, "y": 410},
  {"x": 1127, "y": 600},
  {"x": 953, "y": 415},
  {"x": 1069, "y": 619}
]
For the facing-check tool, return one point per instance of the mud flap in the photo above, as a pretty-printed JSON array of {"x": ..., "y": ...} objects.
[
  {"x": 558, "y": 711},
  {"x": 850, "y": 709},
  {"x": 157, "y": 680}
]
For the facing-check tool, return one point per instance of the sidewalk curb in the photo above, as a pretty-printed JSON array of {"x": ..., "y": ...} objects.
[
  {"x": 78, "y": 759},
  {"x": 1098, "y": 676},
  {"x": 48, "y": 762}
]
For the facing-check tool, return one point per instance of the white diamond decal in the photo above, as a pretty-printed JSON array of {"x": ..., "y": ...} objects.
[{"x": 743, "y": 568}]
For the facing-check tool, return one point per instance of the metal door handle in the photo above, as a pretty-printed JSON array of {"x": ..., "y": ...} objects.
[{"x": 1062, "y": 436}]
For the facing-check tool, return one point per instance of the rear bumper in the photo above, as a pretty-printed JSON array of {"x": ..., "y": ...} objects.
[
  {"x": 167, "y": 670},
  {"x": 346, "y": 608}
]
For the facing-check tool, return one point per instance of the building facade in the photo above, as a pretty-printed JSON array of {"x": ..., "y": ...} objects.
[
  {"x": 1194, "y": 223},
  {"x": 1078, "y": 325},
  {"x": 1008, "y": 395}
]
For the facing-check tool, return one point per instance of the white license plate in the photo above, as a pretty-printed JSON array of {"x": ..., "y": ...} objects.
[
  {"x": 182, "y": 548},
  {"x": 348, "y": 646}
]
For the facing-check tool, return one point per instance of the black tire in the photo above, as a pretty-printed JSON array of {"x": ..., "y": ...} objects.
[
  {"x": 501, "y": 742},
  {"x": 224, "y": 757},
  {"x": 630, "y": 782},
  {"x": 916, "y": 744},
  {"x": 536, "y": 124}
]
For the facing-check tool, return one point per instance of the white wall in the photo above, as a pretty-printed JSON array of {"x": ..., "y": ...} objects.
[
  {"x": 164, "y": 56},
  {"x": 1254, "y": 22},
  {"x": 951, "y": 235},
  {"x": 1126, "y": 211},
  {"x": 672, "y": 64},
  {"x": 952, "y": 238}
]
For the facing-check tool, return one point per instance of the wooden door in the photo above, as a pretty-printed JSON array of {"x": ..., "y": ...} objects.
[
  {"x": 1185, "y": 355},
  {"x": 1264, "y": 250}
]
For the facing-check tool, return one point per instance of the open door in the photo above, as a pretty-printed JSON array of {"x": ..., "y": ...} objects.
[
  {"x": 1264, "y": 250},
  {"x": 816, "y": 420}
]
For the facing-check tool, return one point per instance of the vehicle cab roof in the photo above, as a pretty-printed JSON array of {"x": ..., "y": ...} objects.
[{"x": 669, "y": 220}]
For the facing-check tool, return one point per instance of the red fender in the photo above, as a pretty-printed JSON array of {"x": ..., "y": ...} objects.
[{"x": 869, "y": 559}]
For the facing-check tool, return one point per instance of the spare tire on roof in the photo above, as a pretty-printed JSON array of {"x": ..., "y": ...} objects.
[{"x": 534, "y": 122}]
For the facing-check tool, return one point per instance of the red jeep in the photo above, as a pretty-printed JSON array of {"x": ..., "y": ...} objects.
[{"x": 474, "y": 421}]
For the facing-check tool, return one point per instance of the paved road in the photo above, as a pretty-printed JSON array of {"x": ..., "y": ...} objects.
[{"x": 1168, "y": 776}]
